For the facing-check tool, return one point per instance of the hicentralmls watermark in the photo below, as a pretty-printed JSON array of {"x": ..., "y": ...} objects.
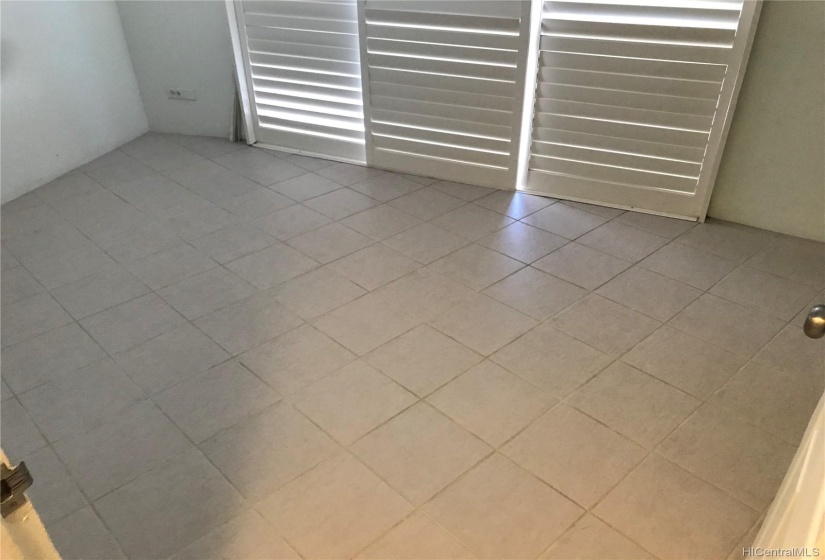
[{"x": 759, "y": 552}]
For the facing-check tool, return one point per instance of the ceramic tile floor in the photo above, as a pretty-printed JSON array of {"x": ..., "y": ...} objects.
[{"x": 213, "y": 351}]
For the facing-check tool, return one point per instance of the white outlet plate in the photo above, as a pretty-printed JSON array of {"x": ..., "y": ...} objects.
[{"x": 180, "y": 93}]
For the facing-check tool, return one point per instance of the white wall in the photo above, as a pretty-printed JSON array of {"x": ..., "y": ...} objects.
[
  {"x": 184, "y": 44},
  {"x": 69, "y": 93},
  {"x": 772, "y": 172}
]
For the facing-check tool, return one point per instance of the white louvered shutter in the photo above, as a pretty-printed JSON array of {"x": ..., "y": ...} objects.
[
  {"x": 630, "y": 96},
  {"x": 303, "y": 71},
  {"x": 446, "y": 87}
]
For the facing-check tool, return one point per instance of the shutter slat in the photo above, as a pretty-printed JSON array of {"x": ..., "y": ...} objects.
[
  {"x": 265, "y": 74},
  {"x": 300, "y": 8},
  {"x": 623, "y": 130},
  {"x": 306, "y": 51},
  {"x": 497, "y": 103},
  {"x": 624, "y": 114},
  {"x": 708, "y": 54},
  {"x": 310, "y": 127},
  {"x": 620, "y": 159},
  {"x": 629, "y": 32},
  {"x": 443, "y": 67},
  {"x": 321, "y": 106},
  {"x": 653, "y": 149},
  {"x": 307, "y": 91},
  {"x": 718, "y": 16},
  {"x": 257, "y": 59},
  {"x": 451, "y": 83},
  {"x": 635, "y": 66},
  {"x": 302, "y": 23},
  {"x": 305, "y": 116},
  {"x": 629, "y": 99},
  {"x": 456, "y": 22},
  {"x": 473, "y": 114},
  {"x": 303, "y": 37},
  {"x": 443, "y": 37},
  {"x": 624, "y": 82},
  {"x": 427, "y": 121},
  {"x": 445, "y": 152},
  {"x": 442, "y": 137},
  {"x": 472, "y": 54},
  {"x": 589, "y": 170}
]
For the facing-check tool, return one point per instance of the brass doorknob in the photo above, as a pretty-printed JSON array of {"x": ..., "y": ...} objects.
[{"x": 815, "y": 322}]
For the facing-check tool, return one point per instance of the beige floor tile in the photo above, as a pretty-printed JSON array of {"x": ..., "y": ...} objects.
[
  {"x": 341, "y": 203},
  {"x": 552, "y": 360},
  {"x": 295, "y": 359},
  {"x": 726, "y": 239},
  {"x": 19, "y": 433},
  {"x": 212, "y": 181},
  {"x": 751, "y": 395},
  {"x": 420, "y": 452},
  {"x": 623, "y": 241},
  {"x": 169, "y": 507},
  {"x": 256, "y": 204},
  {"x": 793, "y": 351},
  {"x": 18, "y": 285},
  {"x": 684, "y": 361},
  {"x": 233, "y": 242},
  {"x": 305, "y": 187},
  {"x": 136, "y": 440},
  {"x": 214, "y": 400},
  {"x": 426, "y": 203},
  {"x": 592, "y": 539},
  {"x": 206, "y": 292},
  {"x": 335, "y": 510},
  {"x": 167, "y": 267},
  {"x": 246, "y": 537},
  {"x": 471, "y": 221},
  {"x": 424, "y": 294},
  {"x": 374, "y": 266},
  {"x": 522, "y": 242},
  {"x": 574, "y": 454},
  {"x": 500, "y": 511},
  {"x": 330, "y": 242},
  {"x": 738, "y": 552},
  {"x": 689, "y": 265},
  {"x": 535, "y": 293},
  {"x": 634, "y": 404},
  {"x": 381, "y": 222},
  {"x": 514, "y": 204},
  {"x": 483, "y": 324},
  {"x": 425, "y": 242},
  {"x": 644, "y": 291},
  {"x": 316, "y": 292},
  {"x": 599, "y": 210},
  {"x": 67, "y": 266},
  {"x": 386, "y": 187},
  {"x": 129, "y": 324},
  {"x": 352, "y": 401},
  {"x": 727, "y": 324},
  {"x": 306, "y": 162},
  {"x": 491, "y": 402},
  {"x": 800, "y": 260},
  {"x": 83, "y": 535},
  {"x": 476, "y": 266},
  {"x": 268, "y": 450},
  {"x": 73, "y": 183},
  {"x": 660, "y": 225},
  {"x": 198, "y": 223},
  {"x": 462, "y": 190},
  {"x": 291, "y": 222},
  {"x": 248, "y": 323},
  {"x": 582, "y": 265},
  {"x": 564, "y": 220},
  {"x": 745, "y": 461},
  {"x": 605, "y": 325},
  {"x": 80, "y": 400},
  {"x": 272, "y": 266},
  {"x": 422, "y": 360},
  {"x": 42, "y": 358},
  {"x": 365, "y": 324},
  {"x": 169, "y": 358},
  {"x": 31, "y": 317},
  {"x": 55, "y": 495},
  {"x": 706, "y": 524},
  {"x": 426, "y": 181},
  {"x": 260, "y": 166},
  {"x": 92, "y": 294},
  {"x": 802, "y": 315},
  {"x": 348, "y": 174},
  {"x": 417, "y": 538},
  {"x": 765, "y": 292}
]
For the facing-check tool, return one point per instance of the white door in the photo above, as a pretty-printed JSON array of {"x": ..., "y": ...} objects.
[
  {"x": 633, "y": 99},
  {"x": 444, "y": 82},
  {"x": 302, "y": 72}
]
